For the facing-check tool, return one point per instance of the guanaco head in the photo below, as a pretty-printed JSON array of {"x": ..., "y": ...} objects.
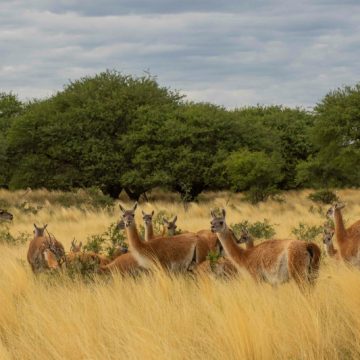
[
  {"x": 147, "y": 217},
  {"x": 245, "y": 237},
  {"x": 336, "y": 206},
  {"x": 39, "y": 231},
  {"x": 120, "y": 225},
  {"x": 170, "y": 226},
  {"x": 218, "y": 223},
  {"x": 5, "y": 215},
  {"x": 128, "y": 216},
  {"x": 75, "y": 247},
  {"x": 328, "y": 235}
]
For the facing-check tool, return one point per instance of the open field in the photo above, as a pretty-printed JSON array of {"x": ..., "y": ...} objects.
[{"x": 158, "y": 316}]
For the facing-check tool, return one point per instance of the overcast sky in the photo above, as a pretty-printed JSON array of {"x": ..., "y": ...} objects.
[{"x": 232, "y": 53}]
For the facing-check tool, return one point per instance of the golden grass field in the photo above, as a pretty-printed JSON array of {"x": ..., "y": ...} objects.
[{"x": 175, "y": 317}]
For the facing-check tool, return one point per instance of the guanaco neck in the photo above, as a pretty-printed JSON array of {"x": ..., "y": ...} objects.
[
  {"x": 249, "y": 244},
  {"x": 149, "y": 231},
  {"x": 233, "y": 251},
  {"x": 340, "y": 230},
  {"x": 171, "y": 232},
  {"x": 133, "y": 237},
  {"x": 331, "y": 251}
]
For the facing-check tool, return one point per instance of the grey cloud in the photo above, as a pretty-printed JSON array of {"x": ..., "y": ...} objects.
[{"x": 269, "y": 52}]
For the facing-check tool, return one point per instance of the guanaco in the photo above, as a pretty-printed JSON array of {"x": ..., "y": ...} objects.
[
  {"x": 178, "y": 255},
  {"x": 41, "y": 254},
  {"x": 76, "y": 254},
  {"x": 328, "y": 243},
  {"x": 170, "y": 226},
  {"x": 273, "y": 261},
  {"x": 348, "y": 240}
]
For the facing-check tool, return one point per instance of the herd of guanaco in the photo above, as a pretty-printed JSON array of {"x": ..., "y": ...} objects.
[{"x": 273, "y": 261}]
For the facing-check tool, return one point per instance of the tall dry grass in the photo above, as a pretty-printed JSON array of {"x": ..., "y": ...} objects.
[{"x": 160, "y": 316}]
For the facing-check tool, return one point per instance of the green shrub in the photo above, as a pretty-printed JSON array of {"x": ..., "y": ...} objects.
[
  {"x": 27, "y": 208},
  {"x": 323, "y": 197},
  {"x": 258, "y": 229},
  {"x": 7, "y": 238},
  {"x": 256, "y": 195},
  {"x": 85, "y": 267},
  {"x": 307, "y": 232},
  {"x": 213, "y": 256},
  {"x": 108, "y": 241}
]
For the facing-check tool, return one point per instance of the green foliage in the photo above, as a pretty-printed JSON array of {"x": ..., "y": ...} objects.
[
  {"x": 8, "y": 239},
  {"x": 117, "y": 132},
  {"x": 10, "y": 108},
  {"x": 86, "y": 267},
  {"x": 255, "y": 172},
  {"x": 336, "y": 138},
  {"x": 108, "y": 241},
  {"x": 27, "y": 208},
  {"x": 307, "y": 232},
  {"x": 213, "y": 256},
  {"x": 323, "y": 196},
  {"x": 258, "y": 229}
]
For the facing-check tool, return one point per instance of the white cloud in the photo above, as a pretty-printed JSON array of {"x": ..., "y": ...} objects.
[{"x": 284, "y": 52}]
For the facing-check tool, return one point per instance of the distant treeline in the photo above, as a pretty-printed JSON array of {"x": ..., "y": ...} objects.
[{"x": 119, "y": 132}]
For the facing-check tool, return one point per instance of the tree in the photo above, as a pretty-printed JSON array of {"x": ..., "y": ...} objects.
[
  {"x": 336, "y": 140},
  {"x": 75, "y": 136},
  {"x": 254, "y": 171},
  {"x": 10, "y": 107}
]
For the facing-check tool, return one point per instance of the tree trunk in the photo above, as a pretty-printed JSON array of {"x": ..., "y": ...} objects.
[
  {"x": 113, "y": 190},
  {"x": 133, "y": 195}
]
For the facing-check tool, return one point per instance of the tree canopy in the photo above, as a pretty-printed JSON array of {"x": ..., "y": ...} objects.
[{"x": 119, "y": 132}]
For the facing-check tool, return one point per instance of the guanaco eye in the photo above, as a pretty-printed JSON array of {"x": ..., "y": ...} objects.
[{"x": 221, "y": 222}]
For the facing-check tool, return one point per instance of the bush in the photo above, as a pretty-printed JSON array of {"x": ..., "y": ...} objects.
[
  {"x": 107, "y": 241},
  {"x": 307, "y": 232},
  {"x": 323, "y": 197},
  {"x": 256, "y": 195},
  {"x": 8, "y": 239},
  {"x": 255, "y": 172},
  {"x": 258, "y": 229},
  {"x": 86, "y": 267},
  {"x": 213, "y": 256}
]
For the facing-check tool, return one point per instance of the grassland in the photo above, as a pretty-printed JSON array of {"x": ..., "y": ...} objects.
[{"x": 174, "y": 317}]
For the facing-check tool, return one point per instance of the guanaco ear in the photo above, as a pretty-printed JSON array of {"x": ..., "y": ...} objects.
[
  {"x": 135, "y": 206},
  {"x": 143, "y": 212},
  {"x": 340, "y": 206},
  {"x": 45, "y": 226},
  {"x": 212, "y": 214},
  {"x": 175, "y": 219},
  {"x": 35, "y": 226},
  {"x": 121, "y": 208},
  {"x": 223, "y": 212},
  {"x": 152, "y": 213},
  {"x": 165, "y": 221}
]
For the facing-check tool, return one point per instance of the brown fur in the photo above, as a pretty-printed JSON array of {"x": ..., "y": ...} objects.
[
  {"x": 207, "y": 242},
  {"x": 86, "y": 256},
  {"x": 39, "y": 254},
  {"x": 222, "y": 268},
  {"x": 348, "y": 240},
  {"x": 176, "y": 253},
  {"x": 329, "y": 245},
  {"x": 273, "y": 261},
  {"x": 125, "y": 264}
]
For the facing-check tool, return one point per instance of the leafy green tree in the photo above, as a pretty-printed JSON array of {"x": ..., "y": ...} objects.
[
  {"x": 254, "y": 171},
  {"x": 73, "y": 139},
  {"x": 336, "y": 140},
  {"x": 10, "y": 107}
]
